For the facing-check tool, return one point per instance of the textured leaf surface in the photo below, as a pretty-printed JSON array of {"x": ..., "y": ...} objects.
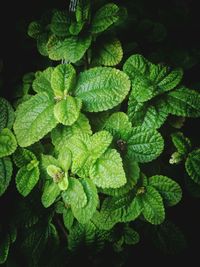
[
  {"x": 68, "y": 218},
  {"x": 182, "y": 143},
  {"x": 8, "y": 143},
  {"x": 192, "y": 165},
  {"x": 108, "y": 172},
  {"x": 109, "y": 54},
  {"x": 83, "y": 215},
  {"x": 59, "y": 24},
  {"x": 184, "y": 102},
  {"x": 27, "y": 179},
  {"x": 23, "y": 156},
  {"x": 105, "y": 17},
  {"x": 34, "y": 119},
  {"x": 67, "y": 110},
  {"x": 71, "y": 48},
  {"x": 34, "y": 29},
  {"x": 5, "y": 174},
  {"x": 144, "y": 144},
  {"x": 50, "y": 192},
  {"x": 153, "y": 209},
  {"x": 102, "y": 88},
  {"x": 7, "y": 115},
  {"x": 63, "y": 79},
  {"x": 44, "y": 162},
  {"x": 131, "y": 237},
  {"x": 42, "y": 82},
  {"x": 169, "y": 190}
]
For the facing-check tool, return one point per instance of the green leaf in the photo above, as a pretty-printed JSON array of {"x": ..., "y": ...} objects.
[
  {"x": 7, "y": 115},
  {"x": 26, "y": 179},
  {"x": 105, "y": 17},
  {"x": 182, "y": 143},
  {"x": 64, "y": 183},
  {"x": 61, "y": 133},
  {"x": 110, "y": 53},
  {"x": 65, "y": 159},
  {"x": 63, "y": 79},
  {"x": 83, "y": 215},
  {"x": 82, "y": 10},
  {"x": 144, "y": 144},
  {"x": 149, "y": 80},
  {"x": 50, "y": 192},
  {"x": 169, "y": 190},
  {"x": 34, "y": 29},
  {"x": 5, "y": 174},
  {"x": 75, "y": 195},
  {"x": 4, "y": 248},
  {"x": 67, "y": 110},
  {"x": 183, "y": 102},
  {"x": 42, "y": 42},
  {"x": 71, "y": 49},
  {"x": 68, "y": 218},
  {"x": 22, "y": 157},
  {"x": 153, "y": 209},
  {"x": 102, "y": 88},
  {"x": 42, "y": 82},
  {"x": 131, "y": 237},
  {"x": 108, "y": 172},
  {"x": 34, "y": 119},
  {"x": 59, "y": 23},
  {"x": 76, "y": 27},
  {"x": 45, "y": 161},
  {"x": 192, "y": 165},
  {"x": 8, "y": 143},
  {"x": 119, "y": 126}
]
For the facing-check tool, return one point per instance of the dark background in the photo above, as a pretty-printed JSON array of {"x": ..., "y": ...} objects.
[{"x": 18, "y": 54}]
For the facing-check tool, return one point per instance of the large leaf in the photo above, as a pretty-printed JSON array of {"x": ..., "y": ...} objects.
[
  {"x": 153, "y": 209},
  {"x": 50, "y": 192},
  {"x": 63, "y": 79},
  {"x": 42, "y": 82},
  {"x": 34, "y": 119},
  {"x": 8, "y": 143},
  {"x": 149, "y": 80},
  {"x": 71, "y": 49},
  {"x": 84, "y": 214},
  {"x": 183, "y": 102},
  {"x": 61, "y": 134},
  {"x": 110, "y": 53},
  {"x": 102, "y": 88},
  {"x": 192, "y": 165},
  {"x": 5, "y": 174},
  {"x": 27, "y": 177},
  {"x": 169, "y": 190},
  {"x": 60, "y": 24},
  {"x": 7, "y": 115},
  {"x": 144, "y": 144},
  {"x": 105, "y": 17},
  {"x": 108, "y": 172},
  {"x": 67, "y": 110}
]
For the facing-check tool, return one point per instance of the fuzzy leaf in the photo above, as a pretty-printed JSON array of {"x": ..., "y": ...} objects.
[
  {"x": 108, "y": 172},
  {"x": 144, "y": 144},
  {"x": 105, "y": 17},
  {"x": 22, "y": 157},
  {"x": 182, "y": 143},
  {"x": 63, "y": 79},
  {"x": 102, "y": 88},
  {"x": 50, "y": 192},
  {"x": 34, "y": 119},
  {"x": 8, "y": 143},
  {"x": 26, "y": 179},
  {"x": 183, "y": 102},
  {"x": 71, "y": 48},
  {"x": 5, "y": 174},
  {"x": 169, "y": 190},
  {"x": 192, "y": 165},
  {"x": 83, "y": 215},
  {"x": 7, "y": 115},
  {"x": 67, "y": 110},
  {"x": 59, "y": 24}
]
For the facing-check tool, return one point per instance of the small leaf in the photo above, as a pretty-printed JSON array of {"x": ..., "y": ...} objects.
[
  {"x": 45, "y": 161},
  {"x": 8, "y": 143},
  {"x": 68, "y": 218},
  {"x": 65, "y": 159},
  {"x": 59, "y": 23},
  {"x": 63, "y": 184},
  {"x": 50, "y": 192},
  {"x": 42, "y": 42},
  {"x": 67, "y": 110},
  {"x": 63, "y": 79},
  {"x": 34, "y": 119},
  {"x": 26, "y": 179},
  {"x": 105, "y": 17},
  {"x": 131, "y": 237},
  {"x": 108, "y": 172},
  {"x": 192, "y": 165},
  {"x": 34, "y": 29},
  {"x": 169, "y": 190},
  {"x": 4, "y": 248},
  {"x": 22, "y": 157},
  {"x": 7, "y": 115},
  {"x": 182, "y": 143},
  {"x": 102, "y": 88},
  {"x": 5, "y": 174}
]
